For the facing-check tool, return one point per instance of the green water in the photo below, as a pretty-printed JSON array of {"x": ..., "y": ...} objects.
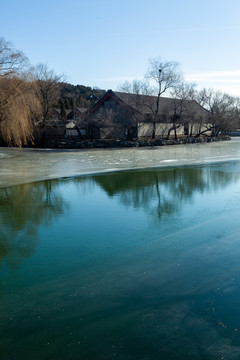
[{"x": 129, "y": 265}]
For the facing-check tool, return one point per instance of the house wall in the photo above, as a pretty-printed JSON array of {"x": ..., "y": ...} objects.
[
  {"x": 197, "y": 128},
  {"x": 72, "y": 132},
  {"x": 145, "y": 129},
  {"x": 161, "y": 129}
]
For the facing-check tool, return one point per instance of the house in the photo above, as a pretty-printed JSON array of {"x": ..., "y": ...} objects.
[
  {"x": 111, "y": 117},
  {"x": 123, "y": 115}
]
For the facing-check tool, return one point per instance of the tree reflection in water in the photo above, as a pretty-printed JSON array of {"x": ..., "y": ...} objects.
[
  {"x": 163, "y": 192},
  {"x": 23, "y": 209}
]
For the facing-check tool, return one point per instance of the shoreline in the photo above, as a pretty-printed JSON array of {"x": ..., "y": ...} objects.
[{"x": 109, "y": 144}]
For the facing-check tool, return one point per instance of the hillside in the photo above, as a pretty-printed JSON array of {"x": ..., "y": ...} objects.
[{"x": 76, "y": 95}]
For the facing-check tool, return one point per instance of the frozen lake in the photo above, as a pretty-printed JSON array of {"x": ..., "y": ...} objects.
[
  {"x": 125, "y": 265},
  {"x": 27, "y": 165}
]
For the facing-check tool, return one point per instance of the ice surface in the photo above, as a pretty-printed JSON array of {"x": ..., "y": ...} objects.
[{"x": 28, "y": 165}]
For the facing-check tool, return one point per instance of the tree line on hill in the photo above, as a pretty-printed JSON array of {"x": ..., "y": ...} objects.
[
  {"x": 81, "y": 96},
  {"x": 29, "y": 94}
]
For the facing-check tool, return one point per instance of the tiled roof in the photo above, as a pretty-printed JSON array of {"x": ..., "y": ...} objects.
[{"x": 147, "y": 104}]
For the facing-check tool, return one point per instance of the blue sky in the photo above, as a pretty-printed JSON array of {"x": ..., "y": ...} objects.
[{"x": 105, "y": 42}]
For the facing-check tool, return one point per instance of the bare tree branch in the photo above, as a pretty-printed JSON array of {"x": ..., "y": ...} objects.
[{"x": 12, "y": 61}]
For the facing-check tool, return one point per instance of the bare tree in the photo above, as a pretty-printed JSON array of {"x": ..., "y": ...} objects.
[
  {"x": 48, "y": 91},
  {"x": 12, "y": 61},
  {"x": 236, "y": 115},
  {"x": 166, "y": 75},
  {"x": 222, "y": 110},
  {"x": 161, "y": 77},
  {"x": 183, "y": 111},
  {"x": 137, "y": 87}
]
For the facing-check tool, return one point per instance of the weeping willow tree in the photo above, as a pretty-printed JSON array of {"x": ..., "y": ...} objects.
[{"x": 19, "y": 104}]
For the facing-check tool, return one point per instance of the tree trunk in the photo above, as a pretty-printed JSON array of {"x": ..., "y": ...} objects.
[
  {"x": 175, "y": 132},
  {"x": 154, "y": 130}
]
